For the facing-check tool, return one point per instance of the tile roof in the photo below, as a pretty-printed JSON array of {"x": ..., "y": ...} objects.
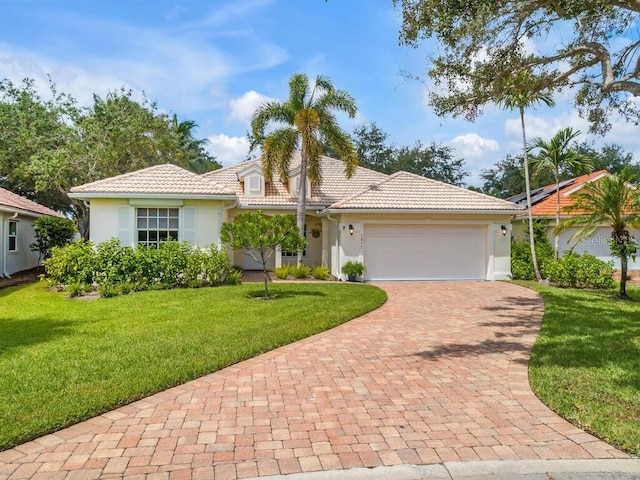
[
  {"x": 544, "y": 200},
  {"x": 334, "y": 187},
  {"x": 164, "y": 179},
  {"x": 407, "y": 191},
  {"x": 14, "y": 201}
]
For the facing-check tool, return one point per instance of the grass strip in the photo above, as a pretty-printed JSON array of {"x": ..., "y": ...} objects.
[{"x": 585, "y": 364}]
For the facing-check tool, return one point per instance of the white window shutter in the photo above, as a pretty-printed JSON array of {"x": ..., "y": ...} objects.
[
  {"x": 189, "y": 225},
  {"x": 124, "y": 226}
]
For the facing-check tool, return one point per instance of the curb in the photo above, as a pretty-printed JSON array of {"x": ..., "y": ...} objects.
[{"x": 626, "y": 469}]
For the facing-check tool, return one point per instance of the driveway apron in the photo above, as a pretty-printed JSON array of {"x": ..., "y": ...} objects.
[{"x": 437, "y": 374}]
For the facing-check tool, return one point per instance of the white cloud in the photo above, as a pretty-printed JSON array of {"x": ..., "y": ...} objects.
[
  {"x": 242, "y": 108},
  {"x": 473, "y": 146},
  {"x": 228, "y": 150}
]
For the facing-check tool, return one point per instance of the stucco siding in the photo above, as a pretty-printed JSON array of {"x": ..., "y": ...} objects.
[
  {"x": 115, "y": 218},
  {"x": 23, "y": 258}
]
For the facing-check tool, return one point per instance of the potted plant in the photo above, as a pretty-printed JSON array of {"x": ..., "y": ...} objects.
[{"x": 353, "y": 269}]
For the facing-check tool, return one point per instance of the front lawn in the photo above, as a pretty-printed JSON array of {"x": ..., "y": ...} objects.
[
  {"x": 585, "y": 364},
  {"x": 62, "y": 361}
]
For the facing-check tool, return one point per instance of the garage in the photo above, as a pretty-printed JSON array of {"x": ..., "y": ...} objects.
[{"x": 425, "y": 252}]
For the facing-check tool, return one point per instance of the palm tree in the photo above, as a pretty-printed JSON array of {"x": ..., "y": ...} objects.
[
  {"x": 522, "y": 96},
  {"x": 554, "y": 156},
  {"x": 615, "y": 201},
  {"x": 304, "y": 122}
]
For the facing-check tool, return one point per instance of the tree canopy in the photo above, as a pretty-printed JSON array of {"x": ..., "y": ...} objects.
[
  {"x": 590, "y": 47},
  {"x": 432, "y": 161},
  {"x": 49, "y": 145},
  {"x": 256, "y": 235},
  {"x": 506, "y": 177}
]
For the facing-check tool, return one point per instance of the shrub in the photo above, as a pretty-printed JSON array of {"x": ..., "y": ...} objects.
[
  {"x": 281, "y": 272},
  {"x": 114, "y": 263},
  {"x": 75, "y": 290},
  {"x": 73, "y": 263},
  {"x": 125, "y": 288},
  {"x": 51, "y": 232},
  {"x": 233, "y": 278},
  {"x": 320, "y": 272},
  {"x": 108, "y": 290},
  {"x": 521, "y": 263},
  {"x": 300, "y": 271},
  {"x": 120, "y": 269},
  {"x": 580, "y": 271},
  {"x": 353, "y": 269},
  {"x": 218, "y": 270}
]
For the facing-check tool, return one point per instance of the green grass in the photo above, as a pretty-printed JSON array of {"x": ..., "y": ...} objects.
[
  {"x": 585, "y": 364},
  {"x": 62, "y": 361}
]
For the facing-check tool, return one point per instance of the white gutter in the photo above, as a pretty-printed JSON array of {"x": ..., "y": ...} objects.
[
  {"x": 180, "y": 196},
  {"x": 421, "y": 210},
  {"x": 312, "y": 208},
  {"x": 21, "y": 211}
]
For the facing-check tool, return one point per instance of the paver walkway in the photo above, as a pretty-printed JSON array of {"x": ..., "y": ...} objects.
[{"x": 438, "y": 374}]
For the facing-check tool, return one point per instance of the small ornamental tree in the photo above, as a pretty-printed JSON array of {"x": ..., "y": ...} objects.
[
  {"x": 258, "y": 236},
  {"x": 52, "y": 232}
]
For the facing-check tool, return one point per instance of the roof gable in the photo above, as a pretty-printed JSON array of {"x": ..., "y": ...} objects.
[
  {"x": 335, "y": 185},
  {"x": 407, "y": 191},
  {"x": 158, "y": 180},
  {"x": 16, "y": 202}
]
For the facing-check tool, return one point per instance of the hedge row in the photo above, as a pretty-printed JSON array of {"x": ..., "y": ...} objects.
[{"x": 113, "y": 268}]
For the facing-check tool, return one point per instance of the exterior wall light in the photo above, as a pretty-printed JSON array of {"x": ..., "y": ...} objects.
[
  {"x": 351, "y": 229},
  {"x": 503, "y": 229}
]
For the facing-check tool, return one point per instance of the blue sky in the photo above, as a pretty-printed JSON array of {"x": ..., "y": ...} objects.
[{"x": 215, "y": 61}]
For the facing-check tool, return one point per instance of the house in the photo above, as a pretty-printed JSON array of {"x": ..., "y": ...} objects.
[
  {"x": 543, "y": 206},
  {"x": 401, "y": 226},
  {"x": 17, "y": 215}
]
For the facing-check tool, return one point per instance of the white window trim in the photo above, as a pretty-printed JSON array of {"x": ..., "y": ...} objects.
[
  {"x": 254, "y": 185},
  {"x": 14, "y": 236},
  {"x": 137, "y": 229}
]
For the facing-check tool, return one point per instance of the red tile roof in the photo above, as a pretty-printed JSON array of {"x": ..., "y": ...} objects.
[
  {"x": 547, "y": 206},
  {"x": 14, "y": 201}
]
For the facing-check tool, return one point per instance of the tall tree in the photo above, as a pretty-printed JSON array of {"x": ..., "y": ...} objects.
[
  {"x": 481, "y": 44},
  {"x": 194, "y": 150},
  {"x": 432, "y": 161},
  {"x": 308, "y": 124},
  {"x": 49, "y": 146},
  {"x": 554, "y": 156},
  {"x": 29, "y": 126},
  {"x": 614, "y": 201},
  {"x": 521, "y": 96},
  {"x": 372, "y": 146},
  {"x": 610, "y": 157}
]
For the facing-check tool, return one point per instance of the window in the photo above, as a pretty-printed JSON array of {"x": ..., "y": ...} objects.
[
  {"x": 287, "y": 253},
  {"x": 156, "y": 225},
  {"x": 13, "y": 236}
]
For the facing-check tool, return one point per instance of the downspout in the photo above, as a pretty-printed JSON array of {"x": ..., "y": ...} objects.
[
  {"x": 337, "y": 242},
  {"x": 5, "y": 246},
  {"x": 224, "y": 208}
]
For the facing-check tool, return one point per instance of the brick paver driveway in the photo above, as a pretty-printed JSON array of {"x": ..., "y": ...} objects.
[{"x": 438, "y": 374}]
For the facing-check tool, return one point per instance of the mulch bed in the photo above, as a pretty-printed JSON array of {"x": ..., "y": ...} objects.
[{"x": 26, "y": 276}]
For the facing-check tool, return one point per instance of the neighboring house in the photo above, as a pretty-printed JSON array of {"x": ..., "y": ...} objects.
[
  {"x": 543, "y": 206},
  {"x": 17, "y": 215},
  {"x": 401, "y": 226}
]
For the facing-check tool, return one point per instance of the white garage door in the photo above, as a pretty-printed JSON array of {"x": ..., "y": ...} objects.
[{"x": 425, "y": 252}]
